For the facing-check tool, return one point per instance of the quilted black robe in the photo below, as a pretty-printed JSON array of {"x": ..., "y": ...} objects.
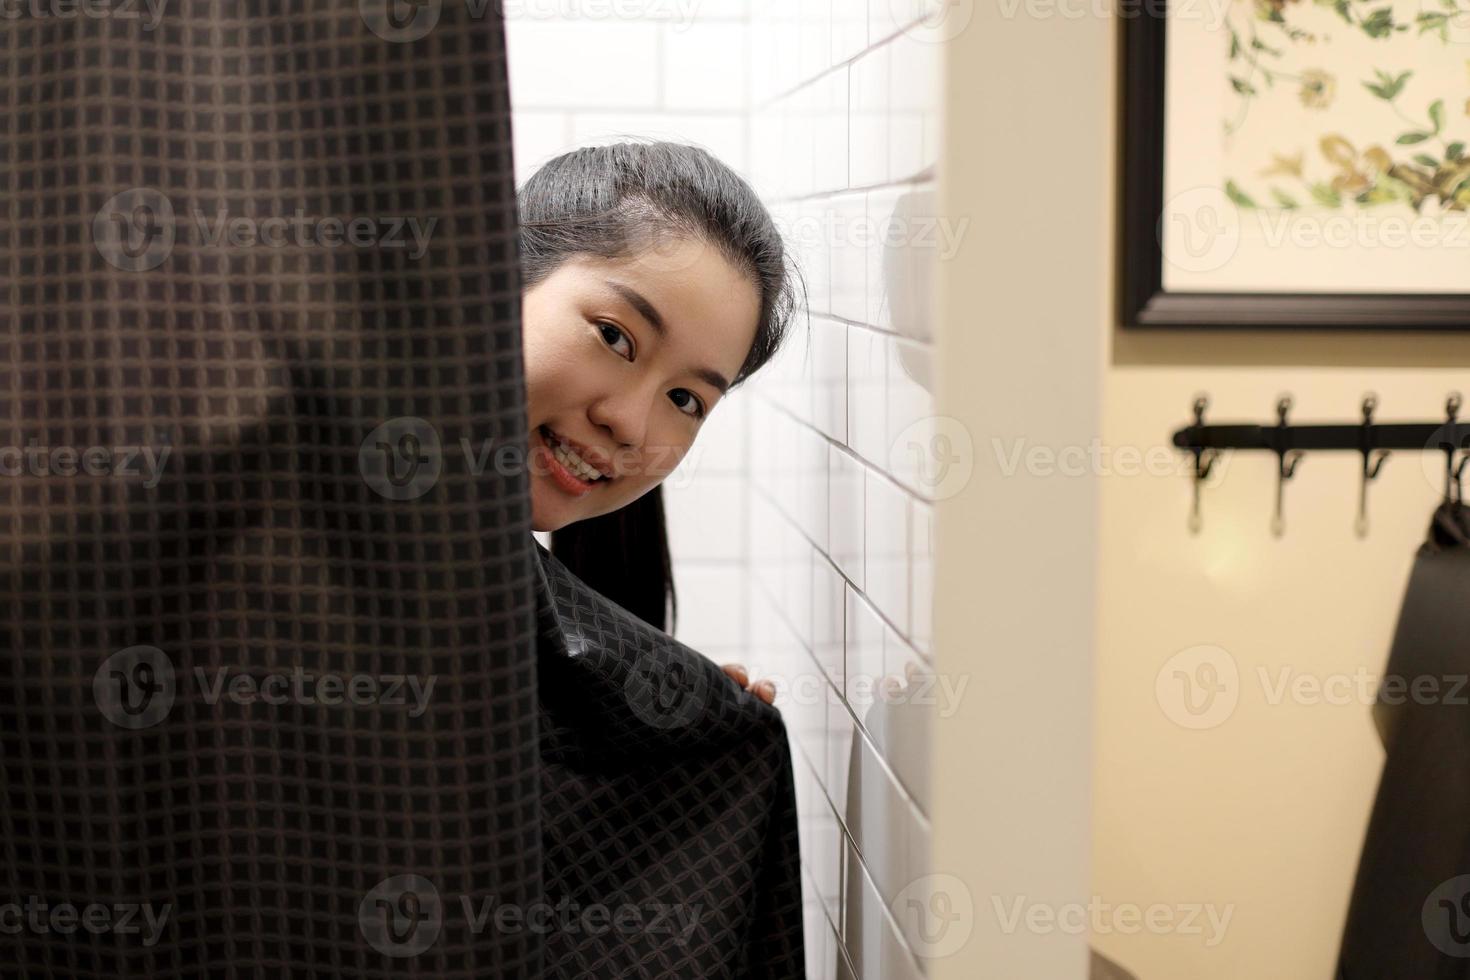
[
  {"x": 288, "y": 689},
  {"x": 1409, "y": 916},
  {"x": 667, "y": 786}
]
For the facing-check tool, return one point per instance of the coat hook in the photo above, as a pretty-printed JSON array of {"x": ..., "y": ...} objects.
[
  {"x": 1204, "y": 463},
  {"x": 1452, "y": 474},
  {"x": 1286, "y": 464},
  {"x": 1372, "y": 462}
]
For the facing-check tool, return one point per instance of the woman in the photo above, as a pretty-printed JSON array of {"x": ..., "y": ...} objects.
[{"x": 654, "y": 281}]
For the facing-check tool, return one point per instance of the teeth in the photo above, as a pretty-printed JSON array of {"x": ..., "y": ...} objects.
[{"x": 568, "y": 457}]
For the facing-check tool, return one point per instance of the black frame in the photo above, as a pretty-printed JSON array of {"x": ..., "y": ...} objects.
[{"x": 1142, "y": 299}]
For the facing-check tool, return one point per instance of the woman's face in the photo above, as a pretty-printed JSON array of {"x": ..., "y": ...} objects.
[{"x": 624, "y": 359}]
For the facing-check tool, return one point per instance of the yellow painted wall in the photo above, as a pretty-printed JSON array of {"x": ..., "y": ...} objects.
[{"x": 1261, "y": 812}]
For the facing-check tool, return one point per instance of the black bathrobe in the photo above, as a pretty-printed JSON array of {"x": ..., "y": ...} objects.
[
  {"x": 666, "y": 783},
  {"x": 1409, "y": 917},
  {"x": 288, "y": 688}
]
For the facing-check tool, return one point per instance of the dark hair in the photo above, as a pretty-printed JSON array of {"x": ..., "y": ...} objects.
[{"x": 613, "y": 202}]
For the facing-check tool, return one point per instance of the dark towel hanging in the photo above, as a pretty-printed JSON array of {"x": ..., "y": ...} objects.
[{"x": 1409, "y": 915}]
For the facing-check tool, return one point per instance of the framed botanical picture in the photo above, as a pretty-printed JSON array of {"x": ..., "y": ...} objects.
[{"x": 1296, "y": 163}]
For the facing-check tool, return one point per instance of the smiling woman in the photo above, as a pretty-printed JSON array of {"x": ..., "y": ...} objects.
[
  {"x": 619, "y": 373},
  {"x": 654, "y": 281}
]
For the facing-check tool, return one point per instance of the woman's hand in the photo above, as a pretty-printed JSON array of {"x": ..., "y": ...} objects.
[{"x": 762, "y": 689}]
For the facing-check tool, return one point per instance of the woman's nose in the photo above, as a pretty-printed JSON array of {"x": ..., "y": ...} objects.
[{"x": 624, "y": 415}]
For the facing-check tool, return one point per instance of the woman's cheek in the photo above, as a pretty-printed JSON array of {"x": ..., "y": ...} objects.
[{"x": 672, "y": 454}]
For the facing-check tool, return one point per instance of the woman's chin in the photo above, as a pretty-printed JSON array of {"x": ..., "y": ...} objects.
[
  {"x": 553, "y": 509},
  {"x": 547, "y": 512},
  {"x": 541, "y": 521}
]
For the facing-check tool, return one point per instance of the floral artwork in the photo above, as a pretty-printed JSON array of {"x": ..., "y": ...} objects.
[{"x": 1344, "y": 104}]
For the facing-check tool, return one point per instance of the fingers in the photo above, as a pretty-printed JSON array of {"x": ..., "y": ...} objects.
[{"x": 765, "y": 690}]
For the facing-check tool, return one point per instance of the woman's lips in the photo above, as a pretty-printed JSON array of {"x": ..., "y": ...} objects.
[{"x": 560, "y": 475}]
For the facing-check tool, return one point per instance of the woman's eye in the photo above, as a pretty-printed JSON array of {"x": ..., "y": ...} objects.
[
  {"x": 687, "y": 402},
  {"x": 613, "y": 336}
]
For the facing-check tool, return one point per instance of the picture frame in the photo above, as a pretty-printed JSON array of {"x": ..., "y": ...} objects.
[{"x": 1145, "y": 301}]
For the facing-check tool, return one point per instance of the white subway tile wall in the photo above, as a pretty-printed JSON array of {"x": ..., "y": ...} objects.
[
  {"x": 843, "y": 142},
  {"x": 802, "y": 524},
  {"x": 593, "y": 72}
]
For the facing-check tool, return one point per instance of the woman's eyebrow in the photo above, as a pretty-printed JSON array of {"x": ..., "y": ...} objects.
[
  {"x": 655, "y": 320},
  {"x": 640, "y": 303}
]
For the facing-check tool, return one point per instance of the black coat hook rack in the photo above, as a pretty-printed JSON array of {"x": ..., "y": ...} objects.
[{"x": 1290, "y": 441}]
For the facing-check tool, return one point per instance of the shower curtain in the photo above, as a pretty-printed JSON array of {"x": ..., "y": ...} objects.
[
  {"x": 1410, "y": 910},
  {"x": 289, "y": 688}
]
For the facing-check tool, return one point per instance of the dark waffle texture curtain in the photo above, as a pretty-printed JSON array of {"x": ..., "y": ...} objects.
[
  {"x": 278, "y": 493},
  {"x": 273, "y": 617}
]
